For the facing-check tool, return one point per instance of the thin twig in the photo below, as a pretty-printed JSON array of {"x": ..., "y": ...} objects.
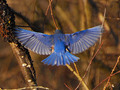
[
  {"x": 78, "y": 76},
  {"x": 50, "y": 6},
  {"x": 103, "y": 20},
  {"x": 96, "y": 51},
  {"x": 33, "y": 87},
  {"x": 50, "y": 2},
  {"x": 93, "y": 59},
  {"x": 111, "y": 73},
  {"x": 67, "y": 86},
  {"x": 90, "y": 64},
  {"x": 76, "y": 69},
  {"x": 106, "y": 79},
  {"x": 76, "y": 72},
  {"x": 47, "y": 9}
]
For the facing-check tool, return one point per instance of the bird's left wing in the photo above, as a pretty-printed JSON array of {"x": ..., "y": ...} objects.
[
  {"x": 82, "y": 40},
  {"x": 37, "y": 42}
]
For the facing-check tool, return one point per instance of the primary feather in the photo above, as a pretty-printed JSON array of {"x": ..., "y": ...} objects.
[{"x": 63, "y": 44}]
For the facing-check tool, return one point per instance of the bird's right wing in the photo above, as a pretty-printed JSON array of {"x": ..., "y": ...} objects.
[
  {"x": 37, "y": 42},
  {"x": 82, "y": 40}
]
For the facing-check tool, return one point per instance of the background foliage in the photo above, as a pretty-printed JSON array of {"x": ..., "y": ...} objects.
[{"x": 71, "y": 16}]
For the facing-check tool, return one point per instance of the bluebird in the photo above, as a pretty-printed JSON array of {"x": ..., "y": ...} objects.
[{"x": 59, "y": 46}]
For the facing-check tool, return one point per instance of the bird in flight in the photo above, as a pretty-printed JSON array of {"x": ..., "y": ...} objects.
[{"x": 59, "y": 46}]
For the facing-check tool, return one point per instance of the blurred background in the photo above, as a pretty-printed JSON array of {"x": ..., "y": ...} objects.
[{"x": 71, "y": 16}]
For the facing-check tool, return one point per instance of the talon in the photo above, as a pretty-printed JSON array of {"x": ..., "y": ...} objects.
[{"x": 52, "y": 48}]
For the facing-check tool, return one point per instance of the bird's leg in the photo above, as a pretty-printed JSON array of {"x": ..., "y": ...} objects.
[
  {"x": 67, "y": 49},
  {"x": 52, "y": 48}
]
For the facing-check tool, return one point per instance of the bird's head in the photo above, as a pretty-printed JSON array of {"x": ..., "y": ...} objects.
[{"x": 58, "y": 32}]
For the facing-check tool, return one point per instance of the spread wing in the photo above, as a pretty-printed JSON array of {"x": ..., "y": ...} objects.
[
  {"x": 37, "y": 42},
  {"x": 82, "y": 40}
]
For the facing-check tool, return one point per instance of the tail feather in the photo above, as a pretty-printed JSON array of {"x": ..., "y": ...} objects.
[
  {"x": 46, "y": 61},
  {"x": 72, "y": 58},
  {"x": 54, "y": 61},
  {"x": 60, "y": 59},
  {"x": 64, "y": 59},
  {"x": 49, "y": 59}
]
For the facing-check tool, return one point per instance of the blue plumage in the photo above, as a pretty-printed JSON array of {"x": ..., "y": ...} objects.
[{"x": 62, "y": 44}]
